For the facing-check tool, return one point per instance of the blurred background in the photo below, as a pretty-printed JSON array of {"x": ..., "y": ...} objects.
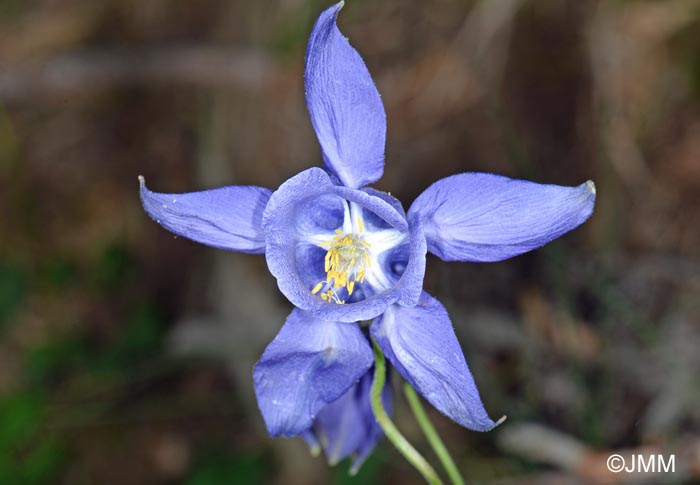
[{"x": 126, "y": 353}]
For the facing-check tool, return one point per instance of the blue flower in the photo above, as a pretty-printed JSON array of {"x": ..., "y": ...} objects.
[{"x": 343, "y": 252}]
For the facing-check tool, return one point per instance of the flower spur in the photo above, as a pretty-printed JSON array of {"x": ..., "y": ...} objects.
[{"x": 344, "y": 253}]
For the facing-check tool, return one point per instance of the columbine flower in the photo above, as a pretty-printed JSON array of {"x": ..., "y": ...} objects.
[{"x": 343, "y": 252}]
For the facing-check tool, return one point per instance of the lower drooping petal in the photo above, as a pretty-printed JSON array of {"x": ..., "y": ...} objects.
[
  {"x": 487, "y": 217},
  {"x": 421, "y": 344},
  {"x": 308, "y": 365},
  {"x": 312, "y": 442},
  {"x": 347, "y": 427},
  {"x": 226, "y": 218}
]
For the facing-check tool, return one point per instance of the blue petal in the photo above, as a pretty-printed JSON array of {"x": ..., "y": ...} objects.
[
  {"x": 227, "y": 218},
  {"x": 410, "y": 284},
  {"x": 309, "y": 364},
  {"x": 421, "y": 344},
  {"x": 340, "y": 427},
  {"x": 487, "y": 217},
  {"x": 312, "y": 442},
  {"x": 288, "y": 252},
  {"x": 372, "y": 220},
  {"x": 385, "y": 210},
  {"x": 309, "y": 260},
  {"x": 320, "y": 214},
  {"x": 348, "y": 427},
  {"x": 344, "y": 104}
]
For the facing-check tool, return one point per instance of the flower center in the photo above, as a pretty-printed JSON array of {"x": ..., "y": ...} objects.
[{"x": 346, "y": 263}]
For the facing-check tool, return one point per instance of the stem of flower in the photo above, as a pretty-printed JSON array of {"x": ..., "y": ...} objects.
[
  {"x": 432, "y": 435},
  {"x": 388, "y": 426}
]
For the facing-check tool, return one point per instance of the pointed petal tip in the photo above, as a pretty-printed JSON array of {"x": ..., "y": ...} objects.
[
  {"x": 500, "y": 421},
  {"x": 142, "y": 181},
  {"x": 315, "y": 450},
  {"x": 591, "y": 186},
  {"x": 357, "y": 461}
]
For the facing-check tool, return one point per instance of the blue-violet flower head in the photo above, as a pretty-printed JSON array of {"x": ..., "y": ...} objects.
[{"x": 343, "y": 253}]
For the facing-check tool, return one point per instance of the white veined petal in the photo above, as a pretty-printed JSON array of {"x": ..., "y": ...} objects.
[
  {"x": 379, "y": 241},
  {"x": 384, "y": 240}
]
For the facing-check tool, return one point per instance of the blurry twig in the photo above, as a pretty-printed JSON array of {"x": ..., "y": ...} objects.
[
  {"x": 460, "y": 73},
  {"x": 541, "y": 444},
  {"x": 483, "y": 39},
  {"x": 629, "y": 60},
  {"x": 48, "y": 29},
  {"x": 80, "y": 73},
  {"x": 679, "y": 363},
  {"x": 485, "y": 36}
]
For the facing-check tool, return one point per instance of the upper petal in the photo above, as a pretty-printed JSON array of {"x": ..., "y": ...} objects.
[
  {"x": 421, "y": 344},
  {"x": 344, "y": 105},
  {"x": 227, "y": 218},
  {"x": 487, "y": 217},
  {"x": 309, "y": 364}
]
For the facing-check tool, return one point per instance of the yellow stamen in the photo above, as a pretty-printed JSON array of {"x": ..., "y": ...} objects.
[
  {"x": 327, "y": 265},
  {"x": 346, "y": 262}
]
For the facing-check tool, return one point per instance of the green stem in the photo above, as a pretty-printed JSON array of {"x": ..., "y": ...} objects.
[
  {"x": 431, "y": 434},
  {"x": 389, "y": 428}
]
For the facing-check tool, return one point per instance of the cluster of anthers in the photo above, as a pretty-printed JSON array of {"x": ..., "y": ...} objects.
[{"x": 346, "y": 263}]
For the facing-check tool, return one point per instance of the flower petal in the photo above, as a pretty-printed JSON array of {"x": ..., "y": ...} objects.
[
  {"x": 373, "y": 221},
  {"x": 348, "y": 427},
  {"x": 410, "y": 285},
  {"x": 312, "y": 442},
  {"x": 421, "y": 344},
  {"x": 227, "y": 218},
  {"x": 487, "y": 217},
  {"x": 344, "y": 104},
  {"x": 378, "y": 205},
  {"x": 309, "y": 364},
  {"x": 284, "y": 236},
  {"x": 340, "y": 427}
]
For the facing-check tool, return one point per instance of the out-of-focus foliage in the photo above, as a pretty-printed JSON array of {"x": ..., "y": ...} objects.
[
  {"x": 12, "y": 291},
  {"x": 216, "y": 468}
]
